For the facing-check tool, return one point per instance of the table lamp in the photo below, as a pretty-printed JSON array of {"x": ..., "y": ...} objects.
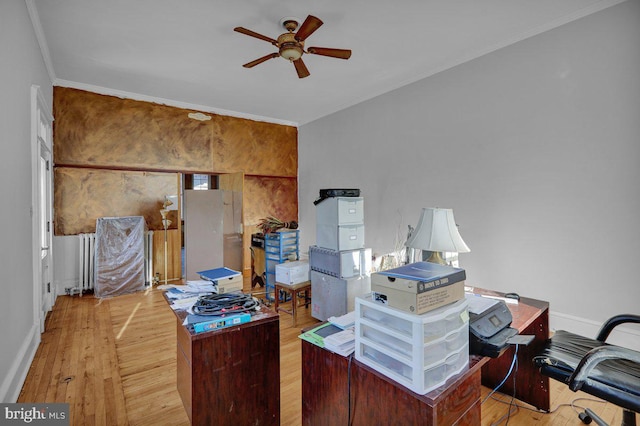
[
  {"x": 170, "y": 203},
  {"x": 437, "y": 232}
]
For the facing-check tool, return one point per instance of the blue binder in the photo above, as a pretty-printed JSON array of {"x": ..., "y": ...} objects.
[
  {"x": 218, "y": 274},
  {"x": 221, "y": 322}
]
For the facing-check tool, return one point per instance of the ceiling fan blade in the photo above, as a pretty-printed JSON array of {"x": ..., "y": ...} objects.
[
  {"x": 255, "y": 34},
  {"x": 334, "y": 53},
  {"x": 308, "y": 27},
  {"x": 261, "y": 60},
  {"x": 301, "y": 68}
]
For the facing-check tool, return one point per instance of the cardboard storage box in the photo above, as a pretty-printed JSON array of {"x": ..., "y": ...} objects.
[
  {"x": 418, "y": 287},
  {"x": 227, "y": 285},
  {"x": 292, "y": 272},
  {"x": 414, "y": 302},
  {"x": 226, "y": 280}
]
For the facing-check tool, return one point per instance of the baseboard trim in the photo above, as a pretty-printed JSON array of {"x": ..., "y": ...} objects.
[
  {"x": 627, "y": 336},
  {"x": 12, "y": 384},
  {"x": 61, "y": 285}
]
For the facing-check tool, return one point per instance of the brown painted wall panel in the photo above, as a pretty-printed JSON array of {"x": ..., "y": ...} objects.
[
  {"x": 254, "y": 147},
  {"x": 83, "y": 195},
  {"x": 270, "y": 196},
  {"x": 106, "y": 131}
]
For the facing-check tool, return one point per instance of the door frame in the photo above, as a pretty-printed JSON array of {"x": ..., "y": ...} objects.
[{"x": 42, "y": 299}]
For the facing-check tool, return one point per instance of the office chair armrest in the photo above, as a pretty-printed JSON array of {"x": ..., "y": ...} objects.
[
  {"x": 593, "y": 358},
  {"x": 615, "y": 321}
]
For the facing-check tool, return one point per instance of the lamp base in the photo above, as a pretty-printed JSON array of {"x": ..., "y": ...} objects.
[{"x": 436, "y": 257}]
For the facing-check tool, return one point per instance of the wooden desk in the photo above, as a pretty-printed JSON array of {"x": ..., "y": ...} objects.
[
  {"x": 329, "y": 397},
  {"x": 530, "y": 316},
  {"x": 231, "y": 376}
]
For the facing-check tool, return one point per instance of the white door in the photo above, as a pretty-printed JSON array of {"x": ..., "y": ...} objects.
[
  {"x": 42, "y": 207},
  {"x": 203, "y": 231},
  {"x": 44, "y": 220}
]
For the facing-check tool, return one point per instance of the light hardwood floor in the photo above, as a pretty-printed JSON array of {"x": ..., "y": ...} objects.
[{"x": 114, "y": 362}]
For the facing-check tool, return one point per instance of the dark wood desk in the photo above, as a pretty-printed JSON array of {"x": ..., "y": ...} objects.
[
  {"x": 330, "y": 398},
  {"x": 231, "y": 376},
  {"x": 530, "y": 316}
]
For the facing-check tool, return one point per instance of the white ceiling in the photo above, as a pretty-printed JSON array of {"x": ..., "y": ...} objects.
[{"x": 185, "y": 52}]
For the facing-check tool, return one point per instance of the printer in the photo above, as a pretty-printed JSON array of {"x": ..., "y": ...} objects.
[{"x": 489, "y": 326}]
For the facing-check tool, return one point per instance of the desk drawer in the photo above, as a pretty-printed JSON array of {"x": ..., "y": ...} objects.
[
  {"x": 184, "y": 341},
  {"x": 184, "y": 381}
]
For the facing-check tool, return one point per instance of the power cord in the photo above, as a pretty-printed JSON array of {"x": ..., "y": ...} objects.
[
  {"x": 572, "y": 405},
  {"x": 586, "y": 416},
  {"x": 513, "y": 395},
  {"x": 225, "y": 303},
  {"x": 512, "y": 369},
  {"x": 513, "y": 363},
  {"x": 349, "y": 419}
]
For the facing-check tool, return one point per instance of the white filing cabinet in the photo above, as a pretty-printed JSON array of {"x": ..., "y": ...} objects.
[{"x": 339, "y": 211}]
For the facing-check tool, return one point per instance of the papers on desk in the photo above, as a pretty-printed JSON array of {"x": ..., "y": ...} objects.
[
  {"x": 335, "y": 339},
  {"x": 343, "y": 342},
  {"x": 479, "y": 304},
  {"x": 184, "y": 303},
  {"x": 344, "y": 321},
  {"x": 184, "y": 296},
  {"x": 201, "y": 286}
]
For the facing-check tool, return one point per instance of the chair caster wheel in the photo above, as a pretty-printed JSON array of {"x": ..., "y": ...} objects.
[{"x": 586, "y": 418}]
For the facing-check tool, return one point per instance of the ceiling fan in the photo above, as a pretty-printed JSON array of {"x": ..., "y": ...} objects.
[{"x": 291, "y": 44}]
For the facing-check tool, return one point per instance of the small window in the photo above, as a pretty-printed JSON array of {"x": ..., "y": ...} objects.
[{"x": 200, "y": 181}]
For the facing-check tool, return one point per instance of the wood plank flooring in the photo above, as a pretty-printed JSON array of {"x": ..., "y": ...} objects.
[{"x": 114, "y": 362}]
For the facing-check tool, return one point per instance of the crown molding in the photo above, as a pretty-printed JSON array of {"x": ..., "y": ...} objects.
[
  {"x": 169, "y": 102},
  {"x": 42, "y": 41}
]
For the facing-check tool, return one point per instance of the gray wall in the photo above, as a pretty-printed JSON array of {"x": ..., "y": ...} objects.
[
  {"x": 22, "y": 66},
  {"x": 536, "y": 147}
]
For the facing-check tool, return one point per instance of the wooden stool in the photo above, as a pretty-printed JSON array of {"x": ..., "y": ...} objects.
[{"x": 293, "y": 290}]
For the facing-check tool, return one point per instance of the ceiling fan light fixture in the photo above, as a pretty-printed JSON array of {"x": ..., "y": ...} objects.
[{"x": 291, "y": 51}]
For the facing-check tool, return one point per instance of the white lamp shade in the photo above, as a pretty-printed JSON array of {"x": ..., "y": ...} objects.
[
  {"x": 437, "y": 231},
  {"x": 171, "y": 202}
]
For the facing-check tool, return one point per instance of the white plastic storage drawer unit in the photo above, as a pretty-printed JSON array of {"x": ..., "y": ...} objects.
[
  {"x": 338, "y": 211},
  {"x": 418, "y": 351}
]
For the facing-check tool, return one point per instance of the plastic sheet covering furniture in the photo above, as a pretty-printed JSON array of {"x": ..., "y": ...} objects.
[
  {"x": 606, "y": 371},
  {"x": 119, "y": 262}
]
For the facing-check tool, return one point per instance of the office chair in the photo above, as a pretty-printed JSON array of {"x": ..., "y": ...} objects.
[{"x": 608, "y": 372}]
